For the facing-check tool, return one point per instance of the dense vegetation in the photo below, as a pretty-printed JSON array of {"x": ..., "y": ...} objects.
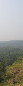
[{"x": 11, "y": 66}]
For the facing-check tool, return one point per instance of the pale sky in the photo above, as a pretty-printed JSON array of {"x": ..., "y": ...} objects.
[{"x": 11, "y": 20}]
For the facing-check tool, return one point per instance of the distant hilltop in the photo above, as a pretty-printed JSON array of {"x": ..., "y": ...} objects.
[{"x": 13, "y": 43}]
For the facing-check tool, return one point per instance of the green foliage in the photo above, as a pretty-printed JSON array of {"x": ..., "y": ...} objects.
[{"x": 11, "y": 67}]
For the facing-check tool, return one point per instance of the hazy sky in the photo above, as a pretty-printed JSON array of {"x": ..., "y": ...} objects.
[{"x": 11, "y": 20}]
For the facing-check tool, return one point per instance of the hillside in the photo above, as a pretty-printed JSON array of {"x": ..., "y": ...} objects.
[
  {"x": 13, "y": 74},
  {"x": 11, "y": 66}
]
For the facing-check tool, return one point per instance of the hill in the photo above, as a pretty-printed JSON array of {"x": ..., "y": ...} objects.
[
  {"x": 13, "y": 43},
  {"x": 11, "y": 66}
]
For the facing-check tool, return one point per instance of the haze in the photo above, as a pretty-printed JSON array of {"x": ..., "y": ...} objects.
[{"x": 11, "y": 20}]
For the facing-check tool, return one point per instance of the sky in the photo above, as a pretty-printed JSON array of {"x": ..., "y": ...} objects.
[{"x": 11, "y": 20}]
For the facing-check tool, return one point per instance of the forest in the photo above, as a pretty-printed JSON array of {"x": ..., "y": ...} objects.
[{"x": 11, "y": 66}]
